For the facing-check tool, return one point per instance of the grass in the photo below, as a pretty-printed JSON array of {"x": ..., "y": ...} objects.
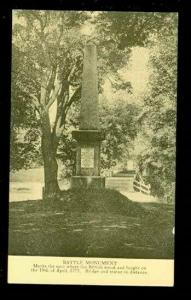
[{"x": 92, "y": 223}]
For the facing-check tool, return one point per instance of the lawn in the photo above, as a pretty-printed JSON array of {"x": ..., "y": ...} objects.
[{"x": 92, "y": 223}]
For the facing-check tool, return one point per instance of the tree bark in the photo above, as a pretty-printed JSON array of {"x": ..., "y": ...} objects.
[{"x": 49, "y": 148}]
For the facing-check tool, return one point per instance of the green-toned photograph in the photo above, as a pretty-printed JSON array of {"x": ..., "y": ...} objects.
[{"x": 93, "y": 134}]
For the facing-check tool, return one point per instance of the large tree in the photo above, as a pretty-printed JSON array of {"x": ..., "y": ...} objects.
[{"x": 49, "y": 46}]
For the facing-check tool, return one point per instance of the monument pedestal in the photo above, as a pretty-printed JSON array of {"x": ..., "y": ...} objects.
[
  {"x": 95, "y": 182},
  {"x": 88, "y": 159}
]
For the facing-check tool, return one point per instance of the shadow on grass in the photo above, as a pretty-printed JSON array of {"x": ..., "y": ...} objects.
[{"x": 91, "y": 223}]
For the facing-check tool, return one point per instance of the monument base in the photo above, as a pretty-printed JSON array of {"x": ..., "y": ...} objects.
[{"x": 96, "y": 182}]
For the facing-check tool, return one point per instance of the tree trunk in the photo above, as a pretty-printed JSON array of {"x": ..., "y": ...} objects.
[{"x": 51, "y": 188}]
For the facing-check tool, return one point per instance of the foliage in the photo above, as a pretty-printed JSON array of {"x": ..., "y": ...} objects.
[
  {"x": 46, "y": 71},
  {"x": 131, "y": 29},
  {"x": 25, "y": 130},
  {"x": 119, "y": 121},
  {"x": 158, "y": 117},
  {"x": 25, "y": 154}
]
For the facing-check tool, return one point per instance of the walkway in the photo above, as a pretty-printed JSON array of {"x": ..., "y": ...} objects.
[{"x": 138, "y": 197}]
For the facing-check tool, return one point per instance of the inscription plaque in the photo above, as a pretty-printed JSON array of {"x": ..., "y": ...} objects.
[{"x": 87, "y": 157}]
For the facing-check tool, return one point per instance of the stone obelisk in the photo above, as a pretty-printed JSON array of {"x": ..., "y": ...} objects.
[{"x": 89, "y": 135}]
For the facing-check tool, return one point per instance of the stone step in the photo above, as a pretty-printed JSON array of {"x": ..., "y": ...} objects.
[
  {"x": 108, "y": 181},
  {"x": 119, "y": 178},
  {"x": 120, "y": 183}
]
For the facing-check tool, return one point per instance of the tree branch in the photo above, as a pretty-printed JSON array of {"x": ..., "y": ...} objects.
[
  {"x": 67, "y": 105},
  {"x": 43, "y": 89},
  {"x": 51, "y": 79},
  {"x": 59, "y": 129},
  {"x": 75, "y": 96},
  {"x": 71, "y": 73},
  {"x": 54, "y": 95},
  {"x": 60, "y": 35},
  {"x": 43, "y": 45},
  {"x": 35, "y": 103}
]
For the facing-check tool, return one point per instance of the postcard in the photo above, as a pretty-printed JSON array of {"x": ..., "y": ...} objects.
[{"x": 93, "y": 148}]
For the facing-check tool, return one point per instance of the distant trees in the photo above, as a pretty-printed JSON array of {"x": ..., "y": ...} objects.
[
  {"x": 155, "y": 128},
  {"x": 25, "y": 125},
  {"x": 119, "y": 121},
  {"x": 158, "y": 116}
]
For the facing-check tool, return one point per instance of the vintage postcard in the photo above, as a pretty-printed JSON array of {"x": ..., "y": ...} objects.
[{"x": 93, "y": 148}]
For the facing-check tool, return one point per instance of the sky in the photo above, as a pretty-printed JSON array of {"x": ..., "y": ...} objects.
[{"x": 136, "y": 71}]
